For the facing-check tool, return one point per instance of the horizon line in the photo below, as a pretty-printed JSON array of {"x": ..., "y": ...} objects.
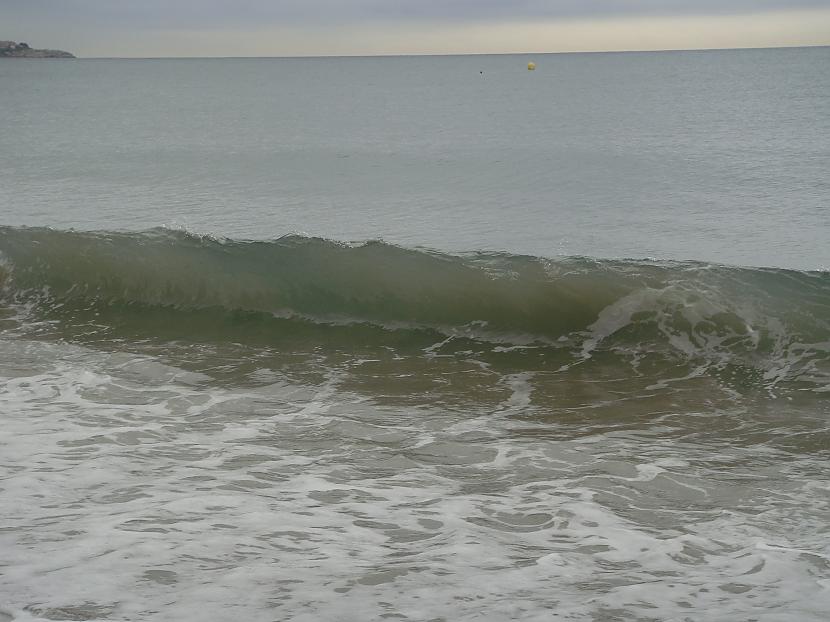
[{"x": 438, "y": 54}]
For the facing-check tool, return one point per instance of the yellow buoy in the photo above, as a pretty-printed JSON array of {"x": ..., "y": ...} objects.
[{"x": 531, "y": 66}]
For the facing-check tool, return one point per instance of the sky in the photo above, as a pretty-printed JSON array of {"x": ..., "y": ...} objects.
[{"x": 163, "y": 28}]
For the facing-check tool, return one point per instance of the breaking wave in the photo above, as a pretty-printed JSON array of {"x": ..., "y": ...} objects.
[{"x": 773, "y": 319}]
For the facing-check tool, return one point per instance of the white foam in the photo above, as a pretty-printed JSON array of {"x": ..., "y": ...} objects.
[{"x": 307, "y": 502}]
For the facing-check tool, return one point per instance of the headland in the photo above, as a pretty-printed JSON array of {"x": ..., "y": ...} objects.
[{"x": 12, "y": 49}]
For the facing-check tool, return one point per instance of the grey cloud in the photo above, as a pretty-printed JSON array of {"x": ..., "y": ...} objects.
[{"x": 198, "y": 14}]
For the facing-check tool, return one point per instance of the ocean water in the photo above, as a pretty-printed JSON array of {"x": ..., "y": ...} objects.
[{"x": 416, "y": 338}]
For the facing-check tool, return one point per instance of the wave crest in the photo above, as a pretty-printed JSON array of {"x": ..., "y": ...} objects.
[{"x": 774, "y": 319}]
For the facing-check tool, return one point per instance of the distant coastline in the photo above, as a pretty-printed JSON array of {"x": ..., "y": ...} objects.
[{"x": 12, "y": 49}]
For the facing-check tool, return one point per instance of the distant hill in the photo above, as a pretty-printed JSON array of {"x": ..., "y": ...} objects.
[{"x": 12, "y": 49}]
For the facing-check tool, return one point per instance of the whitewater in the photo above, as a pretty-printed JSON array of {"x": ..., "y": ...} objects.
[{"x": 413, "y": 432}]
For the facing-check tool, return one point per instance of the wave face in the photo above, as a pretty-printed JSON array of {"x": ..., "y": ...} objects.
[{"x": 178, "y": 285}]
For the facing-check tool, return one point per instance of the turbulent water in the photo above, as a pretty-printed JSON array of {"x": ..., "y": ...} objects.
[
  {"x": 445, "y": 425},
  {"x": 312, "y": 430}
]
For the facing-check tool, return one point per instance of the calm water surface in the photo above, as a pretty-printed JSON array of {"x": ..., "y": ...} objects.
[{"x": 718, "y": 156}]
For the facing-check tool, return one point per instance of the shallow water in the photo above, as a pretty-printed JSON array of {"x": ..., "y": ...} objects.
[{"x": 147, "y": 491}]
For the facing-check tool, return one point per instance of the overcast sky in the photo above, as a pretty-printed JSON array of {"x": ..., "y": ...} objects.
[{"x": 333, "y": 27}]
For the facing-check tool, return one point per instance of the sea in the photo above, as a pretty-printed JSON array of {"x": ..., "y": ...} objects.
[{"x": 416, "y": 338}]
